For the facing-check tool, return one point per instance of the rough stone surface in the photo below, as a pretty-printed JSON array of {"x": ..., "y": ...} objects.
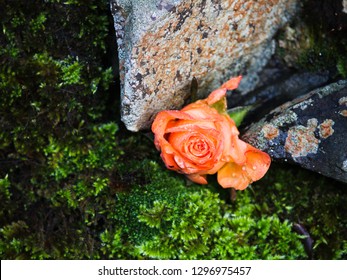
[
  {"x": 163, "y": 44},
  {"x": 281, "y": 88},
  {"x": 309, "y": 131}
]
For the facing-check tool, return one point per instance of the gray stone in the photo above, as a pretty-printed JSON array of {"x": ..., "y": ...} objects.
[
  {"x": 309, "y": 131},
  {"x": 276, "y": 92},
  {"x": 163, "y": 44}
]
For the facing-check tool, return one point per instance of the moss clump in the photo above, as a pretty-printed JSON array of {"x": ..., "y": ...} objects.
[
  {"x": 164, "y": 219},
  {"x": 48, "y": 73},
  {"x": 53, "y": 209}
]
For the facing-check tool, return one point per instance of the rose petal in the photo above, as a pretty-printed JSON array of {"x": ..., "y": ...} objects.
[
  {"x": 216, "y": 168},
  {"x": 257, "y": 163},
  {"x": 169, "y": 161},
  {"x": 238, "y": 150},
  {"x": 164, "y": 117},
  {"x": 216, "y": 96},
  {"x": 220, "y": 93},
  {"x": 160, "y": 125},
  {"x": 201, "y": 111},
  {"x": 233, "y": 83},
  {"x": 199, "y": 148},
  {"x": 196, "y": 178},
  {"x": 182, "y": 143},
  {"x": 190, "y": 126},
  {"x": 231, "y": 175},
  {"x": 229, "y": 134},
  {"x": 180, "y": 162}
]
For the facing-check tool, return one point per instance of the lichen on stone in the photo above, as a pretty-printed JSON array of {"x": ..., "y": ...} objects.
[
  {"x": 343, "y": 113},
  {"x": 287, "y": 118},
  {"x": 344, "y": 165},
  {"x": 326, "y": 128},
  {"x": 301, "y": 140},
  {"x": 270, "y": 131},
  {"x": 343, "y": 101}
]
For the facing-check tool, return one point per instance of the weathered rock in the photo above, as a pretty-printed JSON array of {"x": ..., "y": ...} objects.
[
  {"x": 309, "y": 131},
  {"x": 163, "y": 44},
  {"x": 286, "y": 88}
]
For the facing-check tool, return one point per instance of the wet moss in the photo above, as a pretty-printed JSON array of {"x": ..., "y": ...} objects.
[
  {"x": 315, "y": 202},
  {"x": 316, "y": 40},
  {"x": 165, "y": 219}
]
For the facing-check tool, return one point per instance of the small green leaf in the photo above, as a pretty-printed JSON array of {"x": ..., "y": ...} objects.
[{"x": 238, "y": 113}]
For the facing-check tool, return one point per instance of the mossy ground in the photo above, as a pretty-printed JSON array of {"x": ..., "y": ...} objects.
[
  {"x": 74, "y": 184},
  {"x": 316, "y": 40}
]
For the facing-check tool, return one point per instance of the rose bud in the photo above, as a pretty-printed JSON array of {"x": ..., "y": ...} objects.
[{"x": 202, "y": 139}]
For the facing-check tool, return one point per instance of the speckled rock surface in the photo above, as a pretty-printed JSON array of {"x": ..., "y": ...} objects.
[
  {"x": 310, "y": 131},
  {"x": 163, "y": 44}
]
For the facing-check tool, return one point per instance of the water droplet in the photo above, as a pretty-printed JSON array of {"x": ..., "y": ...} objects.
[
  {"x": 254, "y": 168},
  {"x": 243, "y": 168}
]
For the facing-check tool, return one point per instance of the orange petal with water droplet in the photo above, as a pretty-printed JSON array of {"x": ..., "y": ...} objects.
[
  {"x": 257, "y": 163},
  {"x": 231, "y": 175}
]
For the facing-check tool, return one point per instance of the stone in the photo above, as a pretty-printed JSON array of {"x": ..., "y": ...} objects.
[
  {"x": 164, "y": 44},
  {"x": 309, "y": 131},
  {"x": 276, "y": 91}
]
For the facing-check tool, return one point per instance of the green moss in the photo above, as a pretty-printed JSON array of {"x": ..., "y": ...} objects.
[
  {"x": 165, "y": 219},
  {"x": 315, "y": 40},
  {"x": 44, "y": 61},
  {"x": 324, "y": 55},
  {"x": 56, "y": 153},
  {"x": 313, "y": 201},
  {"x": 4, "y": 188}
]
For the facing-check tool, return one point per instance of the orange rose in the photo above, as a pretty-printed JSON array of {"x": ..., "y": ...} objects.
[{"x": 202, "y": 139}]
